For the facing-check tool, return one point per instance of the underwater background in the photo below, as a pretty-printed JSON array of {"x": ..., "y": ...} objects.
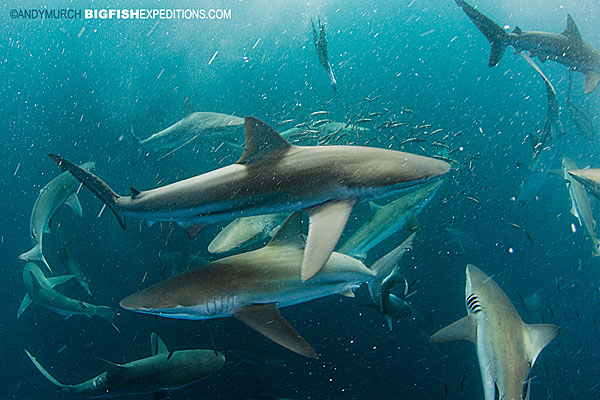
[{"x": 76, "y": 93}]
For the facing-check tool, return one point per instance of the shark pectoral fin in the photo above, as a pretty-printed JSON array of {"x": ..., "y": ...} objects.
[
  {"x": 413, "y": 225},
  {"x": 262, "y": 142},
  {"x": 73, "y": 202},
  {"x": 348, "y": 293},
  {"x": 266, "y": 319},
  {"x": 46, "y": 373},
  {"x": 326, "y": 224},
  {"x": 157, "y": 345},
  {"x": 290, "y": 232},
  {"x": 59, "y": 280},
  {"x": 537, "y": 337},
  {"x": 592, "y": 78},
  {"x": 24, "y": 304},
  {"x": 463, "y": 329}
]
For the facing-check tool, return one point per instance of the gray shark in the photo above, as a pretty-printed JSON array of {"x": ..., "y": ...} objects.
[
  {"x": 583, "y": 121},
  {"x": 163, "y": 371},
  {"x": 580, "y": 204},
  {"x": 41, "y": 290},
  {"x": 590, "y": 178},
  {"x": 567, "y": 48},
  {"x": 320, "y": 42},
  {"x": 545, "y": 147},
  {"x": 60, "y": 190},
  {"x": 252, "y": 285},
  {"x": 196, "y": 125},
  {"x": 388, "y": 219},
  {"x": 273, "y": 176},
  {"x": 244, "y": 231},
  {"x": 506, "y": 347},
  {"x": 71, "y": 265}
]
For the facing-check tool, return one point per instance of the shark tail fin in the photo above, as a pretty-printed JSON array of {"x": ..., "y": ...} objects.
[
  {"x": 493, "y": 32},
  {"x": 47, "y": 374},
  {"x": 384, "y": 267},
  {"x": 35, "y": 254},
  {"x": 93, "y": 183}
]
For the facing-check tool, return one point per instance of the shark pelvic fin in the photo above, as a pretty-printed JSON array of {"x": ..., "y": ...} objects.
[
  {"x": 262, "y": 142},
  {"x": 348, "y": 293},
  {"x": 73, "y": 202},
  {"x": 24, "y": 304},
  {"x": 463, "y": 329},
  {"x": 592, "y": 78},
  {"x": 571, "y": 31},
  {"x": 59, "y": 280},
  {"x": 326, "y": 224},
  {"x": 537, "y": 337},
  {"x": 193, "y": 230},
  {"x": 290, "y": 233},
  {"x": 158, "y": 346},
  {"x": 266, "y": 319}
]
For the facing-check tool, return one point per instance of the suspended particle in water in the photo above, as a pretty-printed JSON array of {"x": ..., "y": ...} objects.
[
  {"x": 510, "y": 250},
  {"x": 573, "y": 228}
]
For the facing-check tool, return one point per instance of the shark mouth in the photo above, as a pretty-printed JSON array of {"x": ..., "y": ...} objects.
[{"x": 473, "y": 304}]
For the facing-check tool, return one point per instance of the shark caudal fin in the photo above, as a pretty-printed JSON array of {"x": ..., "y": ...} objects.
[
  {"x": 65, "y": 388},
  {"x": 93, "y": 183},
  {"x": 35, "y": 254},
  {"x": 494, "y": 33},
  {"x": 384, "y": 267}
]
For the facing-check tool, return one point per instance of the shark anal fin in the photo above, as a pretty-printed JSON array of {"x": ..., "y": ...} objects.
[
  {"x": 266, "y": 319},
  {"x": 463, "y": 329},
  {"x": 73, "y": 202},
  {"x": 290, "y": 232},
  {"x": 262, "y": 142},
  {"x": 157, "y": 345},
  {"x": 537, "y": 337},
  {"x": 326, "y": 224},
  {"x": 24, "y": 304}
]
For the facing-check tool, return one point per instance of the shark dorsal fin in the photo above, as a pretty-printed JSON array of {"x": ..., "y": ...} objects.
[
  {"x": 158, "y": 346},
  {"x": 374, "y": 207},
  {"x": 571, "y": 31},
  {"x": 189, "y": 109},
  {"x": 262, "y": 142},
  {"x": 537, "y": 337},
  {"x": 463, "y": 329},
  {"x": 290, "y": 233},
  {"x": 517, "y": 30}
]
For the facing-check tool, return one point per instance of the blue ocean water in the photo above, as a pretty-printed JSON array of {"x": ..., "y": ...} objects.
[{"x": 73, "y": 87}]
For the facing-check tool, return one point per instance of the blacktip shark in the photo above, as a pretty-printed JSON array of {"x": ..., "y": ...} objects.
[
  {"x": 71, "y": 265},
  {"x": 163, "y": 371},
  {"x": 251, "y": 286},
  {"x": 507, "y": 348},
  {"x": 41, "y": 290},
  {"x": 273, "y": 176},
  {"x": 567, "y": 48},
  {"x": 545, "y": 146},
  {"x": 60, "y": 190},
  {"x": 590, "y": 178},
  {"x": 580, "y": 204},
  {"x": 389, "y": 219},
  {"x": 320, "y": 42},
  {"x": 244, "y": 231},
  {"x": 195, "y": 125}
]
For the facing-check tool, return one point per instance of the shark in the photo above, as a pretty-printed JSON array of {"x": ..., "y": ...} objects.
[
  {"x": 545, "y": 146},
  {"x": 252, "y": 286},
  {"x": 389, "y": 219},
  {"x": 273, "y": 176},
  {"x": 165, "y": 370},
  {"x": 60, "y": 190},
  {"x": 320, "y": 42},
  {"x": 567, "y": 48},
  {"x": 244, "y": 231},
  {"x": 41, "y": 290},
  {"x": 589, "y": 178},
  {"x": 582, "y": 120},
  {"x": 195, "y": 125},
  {"x": 507, "y": 348},
  {"x": 580, "y": 204},
  {"x": 71, "y": 265}
]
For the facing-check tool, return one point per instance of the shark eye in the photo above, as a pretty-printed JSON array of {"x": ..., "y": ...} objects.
[{"x": 473, "y": 304}]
